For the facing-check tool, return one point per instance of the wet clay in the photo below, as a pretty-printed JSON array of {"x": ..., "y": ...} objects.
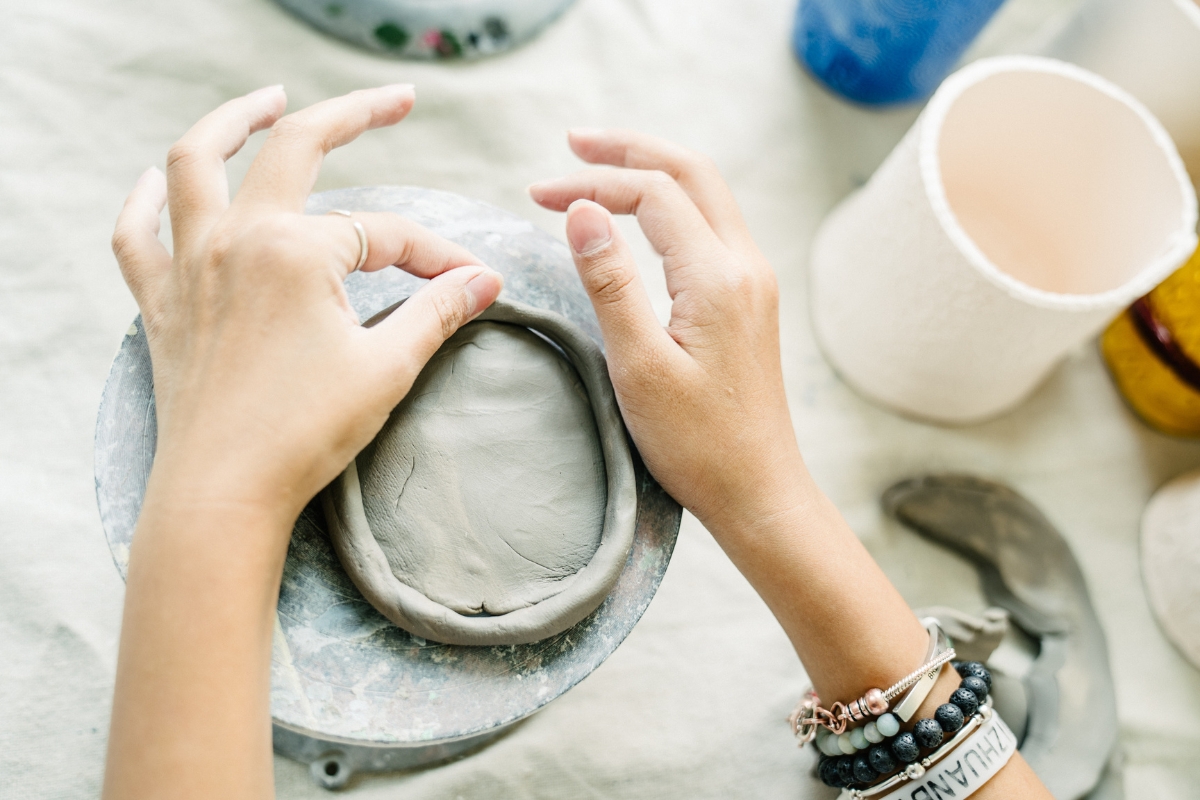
[
  {"x": 461, "y": 511},
  {"x": 496, "y": 505}
]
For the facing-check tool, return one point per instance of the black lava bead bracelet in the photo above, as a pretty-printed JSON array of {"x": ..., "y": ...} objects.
[{"x": 868, "y": 767}]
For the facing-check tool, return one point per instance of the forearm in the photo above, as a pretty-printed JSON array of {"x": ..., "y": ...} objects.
[
  {"x": 191, "y": 706},
  {"x": 849, "y": 625},
  {"x": 266, "y": 385}
]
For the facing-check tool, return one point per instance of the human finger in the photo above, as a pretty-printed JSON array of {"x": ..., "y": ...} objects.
[
  {"x": 668, "y": 217},
  {"x": 408, "y": 337},
  {"x": 197, "y": 185},
  {"x": 395, "y": 241},
  {"x": 695, "y": 172},
  {"x": 140, "y": 255},
  {"x": 610, "y": 276},
  {"x": 286, "y": 168}
]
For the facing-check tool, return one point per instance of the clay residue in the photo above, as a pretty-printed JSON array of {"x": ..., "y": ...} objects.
[{"x": 486, "y": 487}]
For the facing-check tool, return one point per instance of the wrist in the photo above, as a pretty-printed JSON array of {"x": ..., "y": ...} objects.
[
  {"x": 198, "y": 475},
  {"x": 778, "y": 493},
  {"x": 187, "y": 494}
]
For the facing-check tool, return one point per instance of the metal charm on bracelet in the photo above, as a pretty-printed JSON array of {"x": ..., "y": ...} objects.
[{"x": 809, "y": 716}]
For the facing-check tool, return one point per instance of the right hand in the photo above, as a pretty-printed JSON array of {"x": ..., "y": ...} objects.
[{"x": 704, "y": 397}]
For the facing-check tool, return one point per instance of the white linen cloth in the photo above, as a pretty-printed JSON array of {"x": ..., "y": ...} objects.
[{"x": 693, "y": 704}]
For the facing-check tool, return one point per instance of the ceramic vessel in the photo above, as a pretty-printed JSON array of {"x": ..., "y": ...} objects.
[
  {"x": 880, "y": 52},
  {"x": 1031, "y": 203},
  {"x": 1171, "y": 561},
  {"x": 1150, "y": 48},
  {"x": 430, "y": 29},
  {"x": 1153, "y": 353}
]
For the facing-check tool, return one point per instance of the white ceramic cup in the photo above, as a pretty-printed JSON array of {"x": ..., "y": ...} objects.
[
  {"x": 1030, "y": 203},
  {"x": 1150, "y": 48}
]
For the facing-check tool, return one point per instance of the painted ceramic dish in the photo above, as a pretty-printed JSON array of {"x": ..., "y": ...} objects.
[
  {"x": 430, "y": 29},
  {"x": 1153, "y": 353}
]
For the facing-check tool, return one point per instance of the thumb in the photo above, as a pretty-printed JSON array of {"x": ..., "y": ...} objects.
[
  {"x": 611, "y": 278},
  {"x": 410, "y": 335}
]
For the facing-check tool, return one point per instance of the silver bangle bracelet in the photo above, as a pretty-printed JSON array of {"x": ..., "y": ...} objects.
[
  {"x": 809, "y": 716},
  {"x": 936, "y": 657}
]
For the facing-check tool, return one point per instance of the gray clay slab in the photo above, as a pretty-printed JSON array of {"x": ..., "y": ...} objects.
[
  {"x": 1027, "y": 568},
  {"x": 341, "y": 672}
]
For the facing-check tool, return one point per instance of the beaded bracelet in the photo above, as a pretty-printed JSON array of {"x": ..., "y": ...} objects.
[
  {"x": 808, "y": 717},
  {"x": 886, "y": 749},
  {"x": 960, "y": 767}
]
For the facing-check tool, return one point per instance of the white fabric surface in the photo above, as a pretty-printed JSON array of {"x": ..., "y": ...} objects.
[
  {"x": 692, "y": 705},
  {"x": 1133, "y": 43}
]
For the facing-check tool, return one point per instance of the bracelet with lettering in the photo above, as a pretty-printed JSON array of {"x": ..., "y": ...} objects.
[
  {"x": 957, "y": 769},
  {"x": 863, "y": 759}
]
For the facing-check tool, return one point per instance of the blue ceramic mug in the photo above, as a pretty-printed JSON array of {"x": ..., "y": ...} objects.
[{"x": 886, "y": 51}]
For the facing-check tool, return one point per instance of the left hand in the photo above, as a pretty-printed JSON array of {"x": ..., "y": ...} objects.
[{"x": 266, "y": 385}]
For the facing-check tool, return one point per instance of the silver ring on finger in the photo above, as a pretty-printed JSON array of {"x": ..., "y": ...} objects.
[{"x": 363, "y": 248}]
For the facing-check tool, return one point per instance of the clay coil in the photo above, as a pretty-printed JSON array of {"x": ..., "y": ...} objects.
[{"x": 368, "y": 565}]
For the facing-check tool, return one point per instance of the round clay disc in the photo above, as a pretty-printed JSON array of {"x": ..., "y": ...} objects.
[
  {"x": 1171, "y": 561},
  {"x": 497, "y": 505}
]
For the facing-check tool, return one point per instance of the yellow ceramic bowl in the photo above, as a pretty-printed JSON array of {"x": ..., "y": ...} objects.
[{"x": 1153, "y": 353}]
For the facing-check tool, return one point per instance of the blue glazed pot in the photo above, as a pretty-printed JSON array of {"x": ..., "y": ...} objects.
[{"x": 880, "y": 52}]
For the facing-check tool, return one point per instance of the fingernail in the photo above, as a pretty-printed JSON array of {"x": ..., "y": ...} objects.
[
  {"x": 266, "y": 90},
  {"x": 483, "y": 289},
  {"x": 400, "y": 87},
  {"x": 588, "y": 227},
  {"x": 585, "y": 132},
  {"x": 152, "y": 176},
  {"x": 540, "y": 186}
]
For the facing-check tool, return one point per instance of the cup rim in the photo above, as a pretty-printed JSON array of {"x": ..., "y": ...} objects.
[{"x": 1181, "y": 245}]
